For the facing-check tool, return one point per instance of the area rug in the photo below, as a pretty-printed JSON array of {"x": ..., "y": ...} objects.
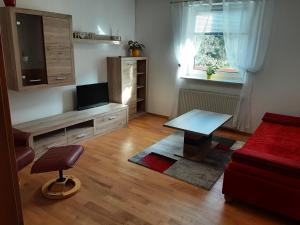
[{"x": 161, "y": 157}]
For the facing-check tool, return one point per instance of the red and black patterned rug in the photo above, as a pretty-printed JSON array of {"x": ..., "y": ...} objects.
[{"x": 161, "y": 157}]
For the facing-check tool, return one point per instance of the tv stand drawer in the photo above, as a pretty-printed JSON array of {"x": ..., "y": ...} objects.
[
  {"x": 45, "y": 142},
  {"x": 79, "y": 135},
  {"x": 110, "y": 122},
  {"x": 39, "y": 152}
]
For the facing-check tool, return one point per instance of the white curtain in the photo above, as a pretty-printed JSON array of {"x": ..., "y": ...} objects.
[
  {"x": 185, "y": 48},
  {"x": 247, "y": 29}
]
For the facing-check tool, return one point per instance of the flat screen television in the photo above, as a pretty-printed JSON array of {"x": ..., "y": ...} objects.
[{"x": 92, "y": 95}]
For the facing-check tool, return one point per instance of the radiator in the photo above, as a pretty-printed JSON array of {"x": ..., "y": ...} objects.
[{"x": 209, "y": 101}]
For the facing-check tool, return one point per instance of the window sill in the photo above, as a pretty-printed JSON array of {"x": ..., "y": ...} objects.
[{"x": 216, "y": 78}]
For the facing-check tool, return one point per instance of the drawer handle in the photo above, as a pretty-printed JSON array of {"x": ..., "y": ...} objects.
[
  {"x": 81, "y": 136},
  {"x": 51, "y": 146},
  {"x": 37, "y": 80},
  {"x": 112, "y": 118},
  {"x": 61, "y": 78}
]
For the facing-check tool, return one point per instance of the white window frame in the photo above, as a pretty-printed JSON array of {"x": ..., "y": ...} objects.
[{"x": 220, "y": 76}]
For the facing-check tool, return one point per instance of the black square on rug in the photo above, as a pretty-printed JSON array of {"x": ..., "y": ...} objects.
[{"x": 162, "y": 158}]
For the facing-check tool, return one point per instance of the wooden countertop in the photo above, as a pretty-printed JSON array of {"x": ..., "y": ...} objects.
[{"x": 63, "y": 120}]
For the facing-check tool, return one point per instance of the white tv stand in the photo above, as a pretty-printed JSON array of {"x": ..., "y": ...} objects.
[{"x": 74, "y": 127}]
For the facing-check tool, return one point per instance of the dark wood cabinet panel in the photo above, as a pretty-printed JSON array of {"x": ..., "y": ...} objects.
[{"x": 38, "y": 48}]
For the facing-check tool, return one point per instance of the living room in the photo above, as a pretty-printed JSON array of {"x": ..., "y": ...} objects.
[{"x": 147, "y": 128}]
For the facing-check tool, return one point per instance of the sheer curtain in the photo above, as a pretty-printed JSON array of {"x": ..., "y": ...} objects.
[
  {"x": 185, "y": 48},
  {"x": 247, "y": 29}
]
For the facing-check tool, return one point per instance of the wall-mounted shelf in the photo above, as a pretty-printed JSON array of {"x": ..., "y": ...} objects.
[{"x": 94, "y": 41}]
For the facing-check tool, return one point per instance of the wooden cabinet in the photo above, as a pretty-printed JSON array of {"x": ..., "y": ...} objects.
[
  {"x": 38, "y": 48},
  {"x": 74, "y": 127},
  {"x": 59, "y": 50},
  {"x": 127, "y": 78}
]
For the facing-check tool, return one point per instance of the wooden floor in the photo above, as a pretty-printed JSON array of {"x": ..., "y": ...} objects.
[{"x": 115, "y": 191}]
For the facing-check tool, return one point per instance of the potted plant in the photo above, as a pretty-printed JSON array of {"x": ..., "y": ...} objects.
[
  {"x": 210, "y": 70},
  {"x": 136, "y": 48}
]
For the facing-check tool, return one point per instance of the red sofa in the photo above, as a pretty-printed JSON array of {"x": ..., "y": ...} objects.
[{"x": 266, "y": 171}]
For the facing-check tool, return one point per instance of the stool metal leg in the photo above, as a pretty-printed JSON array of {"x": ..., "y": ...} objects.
[{"x": 61, "y": 177}]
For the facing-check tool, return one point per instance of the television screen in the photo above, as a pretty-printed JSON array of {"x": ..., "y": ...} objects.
[{"x": 92, "y": 95}]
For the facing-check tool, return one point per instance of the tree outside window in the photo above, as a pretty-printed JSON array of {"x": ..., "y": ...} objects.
[{"x": 210, "y": 39}]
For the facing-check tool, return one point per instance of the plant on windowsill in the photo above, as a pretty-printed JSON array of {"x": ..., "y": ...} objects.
[
  {"x": 135, "y": 48},
  {"x": 211, "y": 70}
]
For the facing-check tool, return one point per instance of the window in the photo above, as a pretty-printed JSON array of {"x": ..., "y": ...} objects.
[
  {"x": 211, "y": 51},
  {"x": 210, "y": 45}
]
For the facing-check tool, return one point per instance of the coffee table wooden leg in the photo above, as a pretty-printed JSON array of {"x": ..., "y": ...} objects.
[
  {"x": 196, "y": 146},
  {"x": 195, "y": 139}
]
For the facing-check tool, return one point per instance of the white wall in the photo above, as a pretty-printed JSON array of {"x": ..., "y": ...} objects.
[
  {"x": 277, "y": 86},
  {"x": 90, "y": 59},
  {"x": 153, "y": 28}
]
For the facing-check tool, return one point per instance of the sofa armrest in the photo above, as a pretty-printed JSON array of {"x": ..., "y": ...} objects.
[
  {"x": 282, "y": 119},
  {"x": 21, "y": 139}
]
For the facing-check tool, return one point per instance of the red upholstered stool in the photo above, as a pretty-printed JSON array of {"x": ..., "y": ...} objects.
[{"x": 59, "y": 159}]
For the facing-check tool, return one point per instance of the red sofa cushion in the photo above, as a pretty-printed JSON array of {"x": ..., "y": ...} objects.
[
  {"x": 273, "y": 146},
  {"x": 282, "y": 119}
]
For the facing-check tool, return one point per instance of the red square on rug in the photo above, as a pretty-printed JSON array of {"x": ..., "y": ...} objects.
[{"x": 157, "y": 162}]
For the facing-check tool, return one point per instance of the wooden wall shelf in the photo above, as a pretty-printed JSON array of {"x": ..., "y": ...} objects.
[{"x": 93, "y": 41}]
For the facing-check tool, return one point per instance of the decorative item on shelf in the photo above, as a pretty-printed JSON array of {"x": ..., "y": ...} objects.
[
  {"x": 10, "y": 2},
  {"x": 96, "y": 37},
  {"x": 211, "y": 70},
  {"x": 79, "y": 35},
  {"x": 135, "y": 48},
  {"x": 90, "y": 35},
  {"x": 83, "y": 35}
]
